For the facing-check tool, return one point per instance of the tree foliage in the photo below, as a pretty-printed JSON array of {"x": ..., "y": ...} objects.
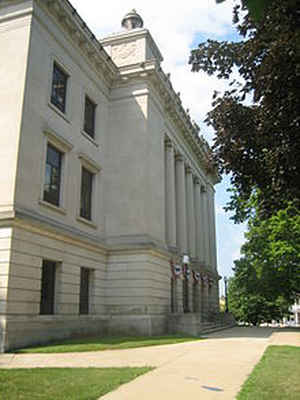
[
  {"x": 267, "y": 277},
  {"x": 257, "y": 121},
  {"x": 256, "y": 7}
]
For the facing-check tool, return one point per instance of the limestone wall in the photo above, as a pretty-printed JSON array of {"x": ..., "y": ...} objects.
[
  {"x": 14, "y": 45},
  {"x": 28, "y": 249},
  {"x": 137, "y": 283},
  {"x": 5, "y": 245},
  {"x": 43, "y": 123}
]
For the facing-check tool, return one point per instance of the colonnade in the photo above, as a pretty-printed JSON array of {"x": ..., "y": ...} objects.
[
  {"x": 190, "y": 228},
  {"x": 190, "y": 217}
]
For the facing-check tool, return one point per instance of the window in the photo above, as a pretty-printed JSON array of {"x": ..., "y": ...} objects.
[
  {"x": 86, "y": 194},
  {"x": 89, "y": 117},
  {"x": 52, "y": 175},
  {"x": 59, "y": 88},
  {"x": 84, "y": 291},
  {"x": 48, "y": 287}
]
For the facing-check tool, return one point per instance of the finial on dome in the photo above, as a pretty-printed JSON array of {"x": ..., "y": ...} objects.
[{"x": 132, "y": 20}]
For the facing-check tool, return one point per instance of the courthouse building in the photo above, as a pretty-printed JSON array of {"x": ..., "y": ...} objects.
[{"x": 106, "y": 189}]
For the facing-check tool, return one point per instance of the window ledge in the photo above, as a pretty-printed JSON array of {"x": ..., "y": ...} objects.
[
  {"x": 87, "y": 222},
  {"x": 60, "y": 210},
  {"x": 60, "y": 113},
  {"x": 88, "y": 137}
]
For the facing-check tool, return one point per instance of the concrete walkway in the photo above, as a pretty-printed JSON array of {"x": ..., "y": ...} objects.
[{"x": 210, "y": 369}]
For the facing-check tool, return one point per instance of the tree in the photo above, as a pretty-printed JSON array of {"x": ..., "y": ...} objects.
[
  {"x": 267, "y": 277},
  {"x": 256, "y": 7},
  {"x": 258, "y": 143}
]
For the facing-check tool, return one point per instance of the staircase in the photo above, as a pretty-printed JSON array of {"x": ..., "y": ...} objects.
[{"x": 196, "y": 325}]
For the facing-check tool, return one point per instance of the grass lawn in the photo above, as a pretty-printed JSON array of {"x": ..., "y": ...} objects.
[
  {"x": 63, "y": 383},
  {"x": 105, "y": 343},
  {"x": 275, "y": 377}
]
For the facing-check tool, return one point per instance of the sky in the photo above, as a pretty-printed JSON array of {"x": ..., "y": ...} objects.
[{"x": 177, "y": 27}]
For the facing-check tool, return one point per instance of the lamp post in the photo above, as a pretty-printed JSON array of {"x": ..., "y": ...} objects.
[{"x": 226, "y": 294}]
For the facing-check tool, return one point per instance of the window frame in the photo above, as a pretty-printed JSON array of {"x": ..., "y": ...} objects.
[
  {"x": 94, "y": 168},
  {"x": 86, "y": 213},
  {"x": 85, "y": 291},
  {"x": 90, "y": 132},
  {"x": 64, "y": 146},
  {"x": 62, "y": 108},
  {"x": 47, "y": 198},
  {"x": 48, "y": 301}
]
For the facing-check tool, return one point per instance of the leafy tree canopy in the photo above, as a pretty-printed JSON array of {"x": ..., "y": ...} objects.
[
  {"x": 256, "y": 7},
  {"x": 257, "y": 121},
  {"x": 267, "y": 277}
]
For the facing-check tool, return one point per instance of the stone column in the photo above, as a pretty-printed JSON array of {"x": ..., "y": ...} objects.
[
  {"x": 191, "y": 293},
  {"x": 202, "y": 300},
  {"x": 196, "y": 297},
  {"x": 181, "y": 237},
  {"x": 205, "y": 230},
  {"x": 213, "y": 228},
  {"x": 216, "y": 296},
  {"x": 191, "y": 230},
  {"x": 179, "y": 296},
  {"x": 170, "y": 195},
  {"x": 208, "y": 226},
  {"x": 210, "y": 298},
  {"x": 198, "y": 221}
]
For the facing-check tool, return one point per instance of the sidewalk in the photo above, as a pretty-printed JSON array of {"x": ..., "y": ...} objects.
[{"x": 210, "y": 369}]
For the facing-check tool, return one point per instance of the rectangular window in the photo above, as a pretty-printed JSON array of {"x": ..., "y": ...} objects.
[
  {"x": 84, "y": 291},
  {"x": 59, "y": 88},
  {"x": 86, "y": 194},
  {"x": 48, "y": 287},
  {"x": 52, "y": 175},
  {"x": 89, "y": 117}
]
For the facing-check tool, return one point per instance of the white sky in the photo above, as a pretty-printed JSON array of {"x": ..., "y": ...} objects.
[{"x": 177, "y": 27}]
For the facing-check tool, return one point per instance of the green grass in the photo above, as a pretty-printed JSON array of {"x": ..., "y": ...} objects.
[
  {"x": 105, "y": 343},
  {"x": 275, "y": 377},
  {"x": 63, "y": 383}
]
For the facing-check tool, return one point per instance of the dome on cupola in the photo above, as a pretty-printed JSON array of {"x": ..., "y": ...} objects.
[{"x": 132, "y": 20}]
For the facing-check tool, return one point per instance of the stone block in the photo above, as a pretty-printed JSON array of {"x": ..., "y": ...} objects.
[
  {"x": 16, "y": 282},
  {"x": 23, "y": 308},
  {"x": 28, "y": 272}
]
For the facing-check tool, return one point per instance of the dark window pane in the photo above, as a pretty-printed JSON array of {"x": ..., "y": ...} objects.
[
  {"x": 59, "y": 88},
  {"x": 52, "y": 175},
  {"x": 89, "y": 117},
  {"x": 86, "y": 194},
  {"x": 48, "y": 287},
  {"x": 84, "y": 291}
]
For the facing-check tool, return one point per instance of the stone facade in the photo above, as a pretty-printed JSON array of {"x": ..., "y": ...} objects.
[{"x": 150, "y": 199}]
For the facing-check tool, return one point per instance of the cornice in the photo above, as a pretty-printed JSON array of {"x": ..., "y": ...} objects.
[
  {"x": 79, "y": 33},
  {"x": 13, "y": 11}
]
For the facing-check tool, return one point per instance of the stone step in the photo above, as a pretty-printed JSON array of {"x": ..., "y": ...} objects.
[{"x": 215, "y": 328}]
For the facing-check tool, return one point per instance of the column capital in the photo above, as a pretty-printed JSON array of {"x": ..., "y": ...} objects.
[
  {"x": 179, "y": 157},
  {"x": 203, "y": 189},
  {"x": 169, "y": 144},
  {"x": 196, "y": 180},
  {"x": 188, "y": 169}
]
